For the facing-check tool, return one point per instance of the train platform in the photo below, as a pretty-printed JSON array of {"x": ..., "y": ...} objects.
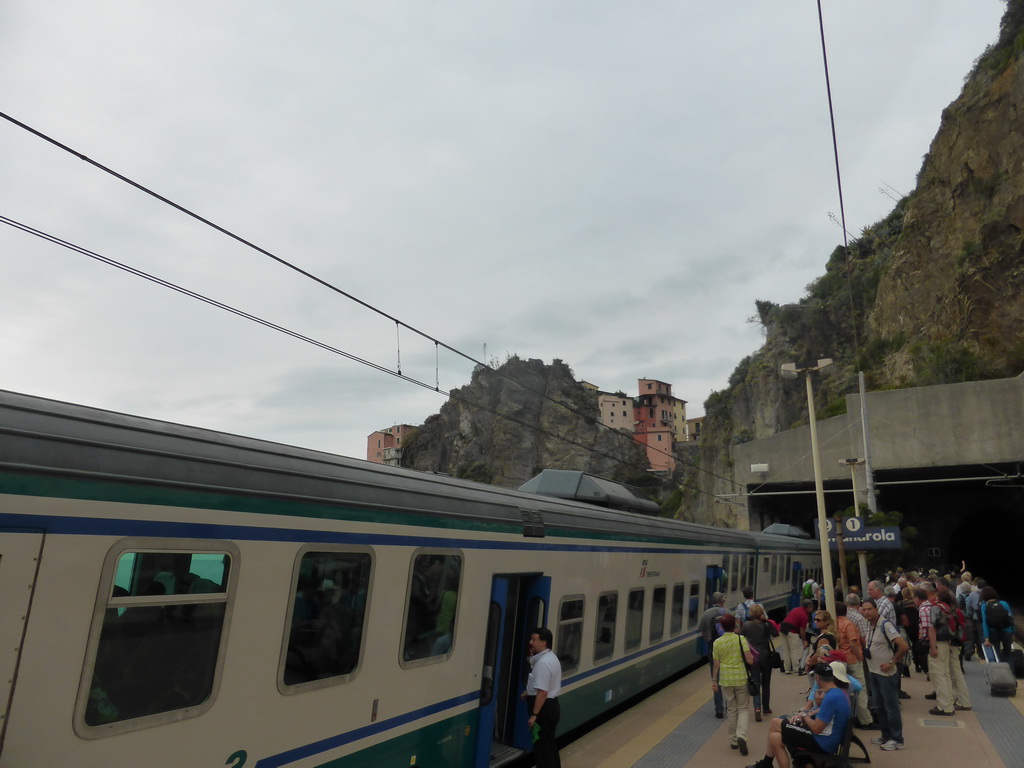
[{"x": 676, "y": 727}]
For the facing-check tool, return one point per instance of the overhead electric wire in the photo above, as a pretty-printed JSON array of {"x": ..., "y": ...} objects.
[
  {"x": 366, "y": 305},
  {"x": 839, "y": 183},
  {"x": 294, "y": 334}
]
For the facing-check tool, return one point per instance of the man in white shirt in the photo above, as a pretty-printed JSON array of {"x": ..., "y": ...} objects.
[{"x": 542, "y": 689}]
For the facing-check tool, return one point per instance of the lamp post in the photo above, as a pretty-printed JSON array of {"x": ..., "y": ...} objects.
[
  {"x": 862, "y": 560},
  {"x": 791, "y": 371}
]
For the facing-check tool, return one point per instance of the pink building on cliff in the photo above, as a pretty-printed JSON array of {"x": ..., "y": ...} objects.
[{"x": 385, "y": 445}]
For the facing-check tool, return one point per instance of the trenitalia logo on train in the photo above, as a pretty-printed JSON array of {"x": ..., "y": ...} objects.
[{"x": 646, "y": 574}]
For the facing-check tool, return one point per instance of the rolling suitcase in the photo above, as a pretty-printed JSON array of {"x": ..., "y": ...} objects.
[
  {"x": 998, "y": 675},
  {"x": 1017, "y": 662}
]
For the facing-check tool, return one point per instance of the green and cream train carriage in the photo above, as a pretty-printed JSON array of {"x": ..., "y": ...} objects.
[{"x": 178, "y": 597}]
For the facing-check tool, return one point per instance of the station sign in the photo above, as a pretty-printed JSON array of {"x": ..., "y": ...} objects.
[{"x": 858, "y": 537}]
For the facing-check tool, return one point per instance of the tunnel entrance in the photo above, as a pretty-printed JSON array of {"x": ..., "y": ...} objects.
[
  {"x": 988, "y": 539},
  {"x": 958, "y": 518}
]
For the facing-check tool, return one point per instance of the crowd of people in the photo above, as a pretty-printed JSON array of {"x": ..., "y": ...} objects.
[{"x": 855, "y": 661}]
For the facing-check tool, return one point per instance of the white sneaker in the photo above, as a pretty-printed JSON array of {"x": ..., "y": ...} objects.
[
  {"x": 880, "y": 740},
  {"x": 892, "y": 745}
]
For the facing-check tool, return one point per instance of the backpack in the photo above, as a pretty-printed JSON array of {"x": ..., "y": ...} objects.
[
  {"x": 996, "y": 615},
  {"x": 718, "y": 623},
  {"x": 742, "y": 613},
  {"x": 809, "y": 590},
  {"x": 950, "y": 625}
]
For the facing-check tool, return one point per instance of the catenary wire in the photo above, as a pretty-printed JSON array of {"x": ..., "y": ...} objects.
[
  {"x": 295, "y": 334},
  {"x": 437, "y": 342}
]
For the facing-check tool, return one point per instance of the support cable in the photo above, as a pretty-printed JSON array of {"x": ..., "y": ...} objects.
[{"x": 301, "y": 337}]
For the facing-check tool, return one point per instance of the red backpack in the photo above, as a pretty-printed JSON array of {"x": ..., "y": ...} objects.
[{"x": 950, "y": 624}]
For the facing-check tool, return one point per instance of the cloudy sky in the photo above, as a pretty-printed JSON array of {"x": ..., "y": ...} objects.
[{"x": 609, "y": 183}]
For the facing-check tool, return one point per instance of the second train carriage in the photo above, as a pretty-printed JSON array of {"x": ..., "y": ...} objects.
[{"x": 178, "y": 596}]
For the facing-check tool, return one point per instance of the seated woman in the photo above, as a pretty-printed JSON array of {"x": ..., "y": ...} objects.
[
  {"x": 821, "y": 732},
  {"x": 853, "y": 686},
  {"x": 824, "y": 641}
]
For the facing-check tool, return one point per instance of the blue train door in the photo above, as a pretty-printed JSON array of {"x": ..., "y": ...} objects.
[
  {"x": 714, "y": 578},
  {"x": 796, "y": 585},
  {"x": 519, "y": 604}
]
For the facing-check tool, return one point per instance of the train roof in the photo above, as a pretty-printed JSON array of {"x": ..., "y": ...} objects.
[
  {"x": 51, "y": 438},
  {"x": 573, "y": 484}
]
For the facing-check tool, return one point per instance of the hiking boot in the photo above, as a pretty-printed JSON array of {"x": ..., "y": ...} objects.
[
  {"x": 892, "y": 745},
  {"x": 743, "y": 746},
  {"x": 931, "y": 696}
]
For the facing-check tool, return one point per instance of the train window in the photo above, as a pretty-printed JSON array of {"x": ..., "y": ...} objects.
[
  {"x": 325, "y": 635},
  {"x": 657, "y": 614},
  {"x": 751, "y": 570},
  {"x": 157, "y": 635},
  {"x": 607, "y": 615},
  {"x": 734, "y": 576},
  {"x": 675, "y": 624},
  {"x": 537, "y": 612},
  {"x": 744, "y": 573},
  {"x": 434, "y": 581},
  {"x": 634, "y": 619},
  {"x": 693, "y": 616},
  {"x": 570, "y": 633}
]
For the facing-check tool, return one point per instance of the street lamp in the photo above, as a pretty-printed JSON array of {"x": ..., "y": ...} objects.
[
  {"x": 791, "y": 371},
  {"x": 861, "y": 558}
]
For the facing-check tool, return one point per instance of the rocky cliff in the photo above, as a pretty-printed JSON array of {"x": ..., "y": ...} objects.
[
  {"x": 932, "y": 294},
  {"x": 508, "y": 424}
]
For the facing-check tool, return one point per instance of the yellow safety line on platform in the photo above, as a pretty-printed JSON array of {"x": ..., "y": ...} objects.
[{"x": 656, "y": 732}]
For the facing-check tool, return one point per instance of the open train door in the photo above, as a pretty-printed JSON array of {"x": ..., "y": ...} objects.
[
  {"x": 19, "y": 564},
  {"x": 714, "y": 577},
  {"x": 796, "y": 583},
  {"x": 518, "y": 605}
]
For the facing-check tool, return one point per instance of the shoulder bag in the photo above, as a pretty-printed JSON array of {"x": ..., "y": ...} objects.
[
  {"x": 774, "y": 657},
  {"x": 752, "y": 687}
]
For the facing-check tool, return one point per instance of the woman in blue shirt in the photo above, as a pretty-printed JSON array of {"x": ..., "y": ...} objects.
[{"x": 999, "y": 636}]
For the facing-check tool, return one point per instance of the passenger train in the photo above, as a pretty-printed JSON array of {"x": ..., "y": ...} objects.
[{"x": 173, "y": 596}]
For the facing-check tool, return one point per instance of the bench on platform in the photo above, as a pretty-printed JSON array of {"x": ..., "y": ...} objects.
[{"x": 841, "y": 757}]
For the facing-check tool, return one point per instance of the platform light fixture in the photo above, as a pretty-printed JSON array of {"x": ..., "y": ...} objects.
[{"x": 793, "y": 371}]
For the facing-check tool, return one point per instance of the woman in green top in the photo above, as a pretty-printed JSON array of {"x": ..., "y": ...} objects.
[{"x": 730, "y": 656}]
